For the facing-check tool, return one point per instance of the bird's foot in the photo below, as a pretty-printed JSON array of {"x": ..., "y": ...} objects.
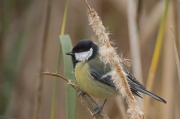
[
  {"x": 97, "y": 110},
  {"x": 81, "y": 93}
]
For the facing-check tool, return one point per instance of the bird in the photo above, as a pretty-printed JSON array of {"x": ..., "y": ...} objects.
[{"x": 94, "y": 76}]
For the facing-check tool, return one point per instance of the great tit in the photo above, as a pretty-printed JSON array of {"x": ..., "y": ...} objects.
[{"x": 94, "y": 76}]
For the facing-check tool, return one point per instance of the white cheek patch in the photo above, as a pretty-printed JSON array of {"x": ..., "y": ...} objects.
[{"x": 82, "y": 56}]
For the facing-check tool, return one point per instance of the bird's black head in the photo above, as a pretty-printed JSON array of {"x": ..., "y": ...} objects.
[{"x": 84, "y": 50}]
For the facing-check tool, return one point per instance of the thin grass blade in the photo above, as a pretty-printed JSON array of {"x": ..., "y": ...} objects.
[
  {"x": 176, "y": 55},
  {"x": 156, "y": 55}
]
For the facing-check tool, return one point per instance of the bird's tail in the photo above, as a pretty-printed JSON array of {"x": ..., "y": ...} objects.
[{"x": 150, "y": 94}]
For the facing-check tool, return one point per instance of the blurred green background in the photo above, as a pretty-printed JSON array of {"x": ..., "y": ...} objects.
[{"x": 22, "y": 28}]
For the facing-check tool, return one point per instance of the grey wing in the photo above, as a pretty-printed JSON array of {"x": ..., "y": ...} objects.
[
  {"x": 99, "y": 71},
  {"x": 132, "y": 79},
  {"x": 99, "y": 76},
  {"x": 136, "y": 87},
  {"x": 134, "y": 83}
]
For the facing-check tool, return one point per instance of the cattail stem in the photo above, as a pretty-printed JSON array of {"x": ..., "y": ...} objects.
[{"x": 109, "y": 55}]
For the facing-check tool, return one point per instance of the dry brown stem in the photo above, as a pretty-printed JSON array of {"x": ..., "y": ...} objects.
[
  {"x": 85, "y": 99},
  {"x": 121, "y": 107},
  {"x": 39, "y": 84},
  {"x": 134, "y": 40},
  {"x": 176, "y": 54},
  {"x": 109, "y": 55}
]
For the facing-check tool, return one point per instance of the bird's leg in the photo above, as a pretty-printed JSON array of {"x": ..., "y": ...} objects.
[
  {"x": 81, "y": 93},
  {"x": 98, "y": 109}
]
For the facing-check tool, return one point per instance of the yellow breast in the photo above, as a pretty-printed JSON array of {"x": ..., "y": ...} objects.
[{"x": 91, "y": 86}]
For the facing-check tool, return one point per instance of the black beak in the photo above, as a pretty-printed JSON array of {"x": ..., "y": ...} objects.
[{"x": 69, "y": 53}]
